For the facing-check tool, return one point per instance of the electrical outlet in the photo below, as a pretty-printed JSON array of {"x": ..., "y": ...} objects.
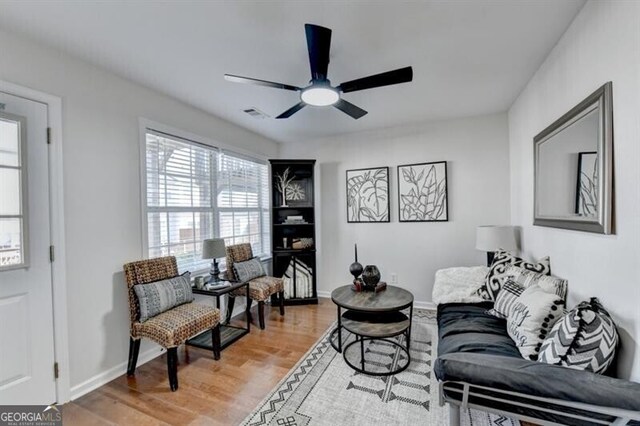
[{"x": 394, "y": 278}]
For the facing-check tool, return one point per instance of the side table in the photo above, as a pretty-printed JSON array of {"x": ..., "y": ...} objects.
[
  {"x": 373, "y": 316},
  {"x": 228, "y": 333}
]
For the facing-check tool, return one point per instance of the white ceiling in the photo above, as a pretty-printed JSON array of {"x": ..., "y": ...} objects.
[{"x": 469, "y": 57}]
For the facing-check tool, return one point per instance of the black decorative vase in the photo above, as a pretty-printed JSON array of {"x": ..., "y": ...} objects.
[
  {"x": 355, "y": 269},
  {"x": 371, "y": 277}
]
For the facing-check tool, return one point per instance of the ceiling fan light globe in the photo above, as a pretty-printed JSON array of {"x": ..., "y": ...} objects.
[{"x": 319, "y": 96}]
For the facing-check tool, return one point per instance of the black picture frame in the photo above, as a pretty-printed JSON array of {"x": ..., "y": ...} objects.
[
  {"x": 586, "y": 184},
  {"x": 410, "y": 199},
  {"x": 359, "y": 186},
  {"x": 307, "y": 187}
]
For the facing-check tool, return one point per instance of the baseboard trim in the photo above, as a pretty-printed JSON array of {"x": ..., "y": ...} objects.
[
  {"x": 106, "y": 376},
  {"x": 416, "y": 304}
]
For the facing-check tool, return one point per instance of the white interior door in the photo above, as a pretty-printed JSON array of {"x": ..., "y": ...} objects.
[{"x": 26, "y": 308}]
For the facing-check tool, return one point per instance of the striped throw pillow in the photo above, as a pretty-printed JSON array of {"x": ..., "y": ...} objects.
[
  {"x": 160, "y": 296},
  {"x": 548, "y": 283},
  {"x": 506, "y": 299},
  {"x": 248, "y": 270}
]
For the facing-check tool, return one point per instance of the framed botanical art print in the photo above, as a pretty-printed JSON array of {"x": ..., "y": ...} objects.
[
  {"x": 368, "y": 195},
  {"x": 422, "y": 192}
]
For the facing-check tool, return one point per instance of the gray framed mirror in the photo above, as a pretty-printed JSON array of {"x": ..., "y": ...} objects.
[{"x": 573, "y": 167}]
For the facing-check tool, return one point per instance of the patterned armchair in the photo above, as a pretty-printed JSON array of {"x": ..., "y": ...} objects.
[
  {"x": 260, "y": 289},
  {"x": 171, "y": 328}
]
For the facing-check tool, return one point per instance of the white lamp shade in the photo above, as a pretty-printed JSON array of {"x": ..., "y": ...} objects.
[
  {"x": 492, "y": 238},
  {"x": 213, "y": 248}
]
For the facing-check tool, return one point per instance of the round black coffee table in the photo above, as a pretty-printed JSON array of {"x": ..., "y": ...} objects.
[{"x": 373, "y": 316}]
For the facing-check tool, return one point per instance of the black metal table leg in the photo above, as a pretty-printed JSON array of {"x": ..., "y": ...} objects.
[
  {"x": 409, "y": 329},
  {"x": 248, "y": 309}
]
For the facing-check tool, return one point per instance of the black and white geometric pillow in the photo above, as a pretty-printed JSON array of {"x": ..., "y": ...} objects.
[
  {"x": 498, "y": 272},
  {"x": 584, "y": 339},
  {"x": 506, "y": 299},
  {"x": 548, "y": 283}
]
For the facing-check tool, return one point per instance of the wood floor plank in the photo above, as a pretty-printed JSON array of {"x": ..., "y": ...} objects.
[
  {"x": 210, "y": 392},
  {"x": 72, "y": 413}
]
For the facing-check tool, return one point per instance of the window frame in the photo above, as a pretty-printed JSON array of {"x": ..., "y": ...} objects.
[
  {"x": 23, "y": 167},
  {"x": 146, "y": 125}
]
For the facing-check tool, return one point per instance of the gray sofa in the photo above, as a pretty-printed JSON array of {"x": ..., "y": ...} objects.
[{"x": 479, "y": 366}]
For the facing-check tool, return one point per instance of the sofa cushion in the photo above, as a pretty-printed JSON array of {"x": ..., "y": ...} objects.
[
  {"x": 498, "y": 272},
  {"x": 261, "y": 288},
  {"x": 172, "y": 328},
  {"x": 584, "y": 339},
  {"x": 468, "y": 328}
]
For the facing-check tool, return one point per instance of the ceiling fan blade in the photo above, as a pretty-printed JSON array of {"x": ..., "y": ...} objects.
[
  {"x": 239, "y": 79},
  {"x": 319, "y": 44},
  {"x": 401, "y": 75},
  {"x": 350, "y": 109},
  {"x": 288, "y": 113}
]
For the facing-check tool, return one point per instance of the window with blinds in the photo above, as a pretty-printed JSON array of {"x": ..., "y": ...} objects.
[{"x": 194, "y": 192}]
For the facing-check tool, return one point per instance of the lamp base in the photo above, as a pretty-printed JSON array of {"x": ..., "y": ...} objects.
[
  {"x": 490, "y": 256},
  {"x": 214, "y": 271}
]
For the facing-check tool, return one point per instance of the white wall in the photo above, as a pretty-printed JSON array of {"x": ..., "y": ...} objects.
[
  {"x": 602, "y": 44},
  {"x": 102, "y": 189},
  {"x": 476, "y": 150}
]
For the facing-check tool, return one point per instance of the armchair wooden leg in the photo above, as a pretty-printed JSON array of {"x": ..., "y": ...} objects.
[
  {"x": 261, "y": 314},
  {"x": 215, "y": 339},
  {"x": 134, "y": 349},
  {"x": 281, "y": 297},
  {"x": 232, "y": 302},
  {"x": 172, "y": 367}
]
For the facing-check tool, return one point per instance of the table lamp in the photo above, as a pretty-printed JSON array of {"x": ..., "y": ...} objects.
[
  {"x": 493, "y": 238},
  {"x": 214, "y": 248}
]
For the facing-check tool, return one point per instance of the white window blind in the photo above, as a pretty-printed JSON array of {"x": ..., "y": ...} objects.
[
  {"x": 243, "y": 202},
  {"x": 194, "y": 192}
]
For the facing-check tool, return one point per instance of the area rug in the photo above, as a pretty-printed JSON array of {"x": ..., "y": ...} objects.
[{"x": 323, "y": 390}]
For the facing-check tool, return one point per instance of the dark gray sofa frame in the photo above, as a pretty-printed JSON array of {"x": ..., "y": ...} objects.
[{"x": 468, "y": 390}]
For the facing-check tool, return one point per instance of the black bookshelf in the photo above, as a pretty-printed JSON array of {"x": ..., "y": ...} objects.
[{"x": 293, "y": 242}]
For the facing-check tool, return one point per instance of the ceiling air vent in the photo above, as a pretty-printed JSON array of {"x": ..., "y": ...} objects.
[{"x": 255, "y": 112}]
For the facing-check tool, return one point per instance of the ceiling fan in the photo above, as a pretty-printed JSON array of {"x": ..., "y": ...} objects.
[{"x": 320, "y": 92}]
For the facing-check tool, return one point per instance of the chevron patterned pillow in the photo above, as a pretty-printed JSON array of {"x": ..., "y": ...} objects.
[{"x": 584, "y": 339}]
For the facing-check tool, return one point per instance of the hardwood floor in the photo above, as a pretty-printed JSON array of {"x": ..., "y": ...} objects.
[{"x": 211, "y": 392}]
